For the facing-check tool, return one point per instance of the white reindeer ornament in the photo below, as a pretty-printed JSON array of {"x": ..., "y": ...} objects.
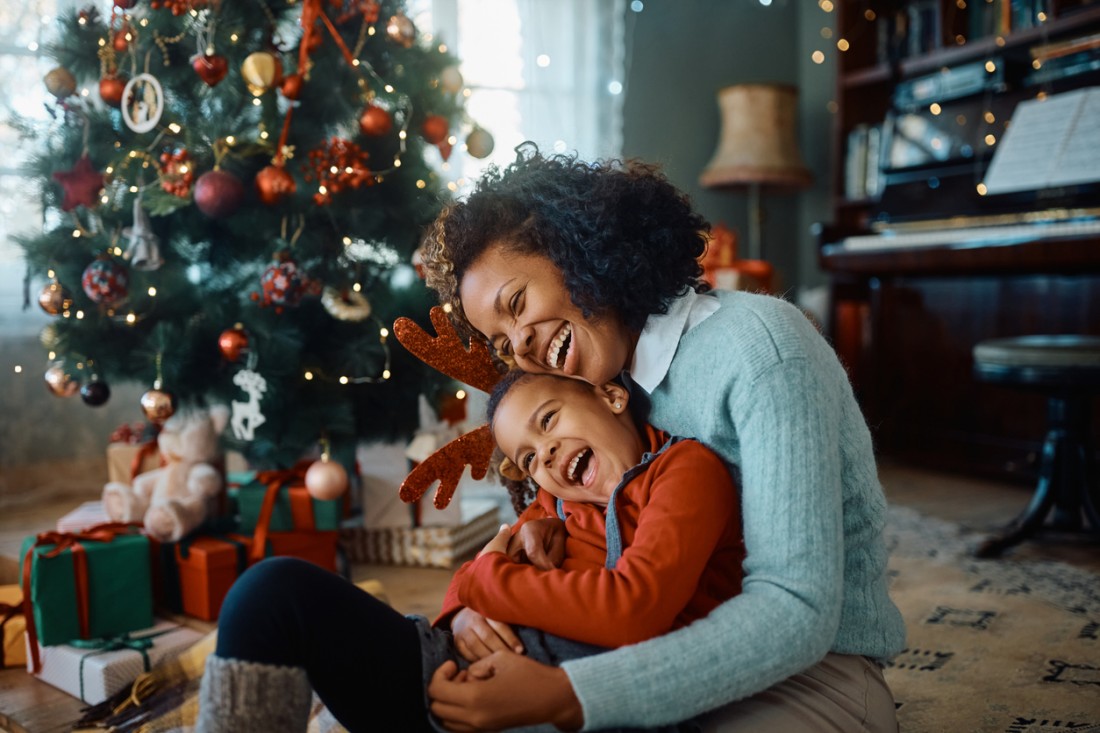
[{"x": 246, "y": 415}]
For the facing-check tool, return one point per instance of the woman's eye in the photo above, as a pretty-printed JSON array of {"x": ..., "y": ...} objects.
[
  {"x": 504, "y": 348},
  {"x": 546, "y": 418},
  {"x": 515, "y": 302}
]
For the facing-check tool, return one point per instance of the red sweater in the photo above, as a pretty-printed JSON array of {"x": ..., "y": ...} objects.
[{"x": 682, "y": 553}]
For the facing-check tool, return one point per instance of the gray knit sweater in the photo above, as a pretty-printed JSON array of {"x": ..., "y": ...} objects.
[{"x": 757, "y": 383}]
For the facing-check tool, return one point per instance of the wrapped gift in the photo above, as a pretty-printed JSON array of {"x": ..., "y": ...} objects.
[
  {"x": 193, "y": 575},
  {"x": 12, "y": 625},
  {"x": 291, "y": 506},
  {"x": 95, "y": 669},
  {"x": 85, "y": 585},
  {"x": 441, "y": 547},
  {"x": 126, "y": 460},
  {"x": 88, "y": 514},
  {"x": 319, "y": 548}
]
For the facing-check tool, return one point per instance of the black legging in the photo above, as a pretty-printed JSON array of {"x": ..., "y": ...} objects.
[{"x": 362, "y": 657}]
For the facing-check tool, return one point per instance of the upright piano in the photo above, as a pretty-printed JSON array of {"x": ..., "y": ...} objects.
[{"x": 934, "y": 264}]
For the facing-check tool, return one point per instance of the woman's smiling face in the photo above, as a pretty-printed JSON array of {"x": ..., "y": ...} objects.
[
  {"x": 519, "y": 303},
  {"x": 573, "y": 439}
]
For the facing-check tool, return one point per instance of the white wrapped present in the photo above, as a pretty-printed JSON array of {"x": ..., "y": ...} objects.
[
  {"x": 93, "y": 670},
  {"x": 88, "y": 514},
  {"x": 438, "y": 546}
]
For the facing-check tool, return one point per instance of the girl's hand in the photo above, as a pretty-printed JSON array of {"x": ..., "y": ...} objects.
[
  {"x": 476, "y": 637},
  {"x": 540, "y": 542},
  {"x": 504, "y": 690}
]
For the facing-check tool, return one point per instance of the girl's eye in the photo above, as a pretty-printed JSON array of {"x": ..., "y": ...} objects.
[
  {"x": 526, "y": 461},
  {"x": 545, "y": 422}
]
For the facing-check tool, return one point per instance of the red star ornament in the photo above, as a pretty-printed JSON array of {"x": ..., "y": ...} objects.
[{"x": 81, "y": 184}]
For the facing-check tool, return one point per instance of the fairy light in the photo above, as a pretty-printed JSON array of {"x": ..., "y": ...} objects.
[
  {"x": 826, "y": 32},
  {"x": 355, "y": 62},
  {"x": 256, "y": 102},
  {"x": 84, "y": 92},
  {"x": 230, "y": 140},
  {"x": 308, "y": 376},
  {"x": 370, "y": 31},
  {"x": 420, "y": 183},
  {"x": 109, "y": 170},
  {"x": 461, "y": 394},
  {"x": 981, "y": 189},
  {"x": 174, "y": 128},
  {"x": 333, "y": 170},
  {"x": 443, "y": 48},
  {"x": 133, "y": 189},
  {"x": 117, "y": 251},
  {"x": 131, "y": 319},
  {"x": 1036, "y": 64},
  {"x": 76, "y": 234},
  {"x": 935, "y": 108},
  {"x": 343, "y": 380},
  {"x": 152, "y": 291},
  {"x": 50, "y": 273},
  {"x": 466, "y": 92},
  {"x": 80, "y": 315},
  {"x": 18, "y": 369},
  {"x": 102, "y": 41},
  {"x": 105, "y": 199},
  {"x": 869, "y": 14},
  {"x": 990, "y": 139},
  {"x": 818, "y": 57},
  {"x": 990, "y": 66},
  {"x": 960, "y": 40},
  {"x": 396, "y": 162},
  {"x": 233, "y": 37},
  {"x": 384, "y": 332},
  {"x": 988, "y": 117},
  {"x": 385, "y": 374},
  {"x": 83, "y": 21},
  {"x": 263, "y": 135},
  {"x": 322, "y": 190},
  {"x": 389, "y": 88},
  {"x": 403, "y": 134},
  {"x": 1000, "y": 41},
  {"x": 1041, "y": 17},
  {"x": 52, "y": 355},
  {"x": 842, "y": 44},
  {"x": 447, "y": 307}
]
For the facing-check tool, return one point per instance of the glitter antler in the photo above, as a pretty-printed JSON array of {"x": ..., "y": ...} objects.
[{"x": 472, "y": 365}]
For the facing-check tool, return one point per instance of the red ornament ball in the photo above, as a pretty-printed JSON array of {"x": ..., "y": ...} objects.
[
  {"x": 233, "y": 342},
  {"x": 434, "y": 129},
  {"x": 125, "y": 4},
  {"x": 274, "y": 183},
  {"x": 111, "y": 88},
  {"x": 218, "y": 194},
  {"x": 375, "y": 121},
  {"x": 326, "y": 480},
  {"x": 105, "y": 281},
  {"x": 283, "y": 283}
]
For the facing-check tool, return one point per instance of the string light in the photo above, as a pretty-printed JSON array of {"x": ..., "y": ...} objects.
[
  {"x": 818, "y": 57},
  {"x": 981, "y": 189},
  {"x": 935, "y": 108}
]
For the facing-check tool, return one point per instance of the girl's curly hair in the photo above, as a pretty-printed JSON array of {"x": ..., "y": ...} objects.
[{"x": 625, "y": 239}]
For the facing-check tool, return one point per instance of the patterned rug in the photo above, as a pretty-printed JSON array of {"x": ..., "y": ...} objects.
[{"x": 994, "y": 646}]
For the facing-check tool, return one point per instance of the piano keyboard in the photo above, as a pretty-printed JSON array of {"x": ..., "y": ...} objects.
[{"x": 972, "y": 236}]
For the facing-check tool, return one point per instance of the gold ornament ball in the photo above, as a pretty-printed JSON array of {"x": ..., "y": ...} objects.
[
  {"x": 401, "y": 30},
  {"x": 261, "y": 71},
  {"x": 60, "y": 382},
  {"x": 158, "y": 405},
  {"x": 60, "y": 82},
  {"x": 450, "y": 79},
  {"x": 326, "y": 480},
  {"x": 55, "y": 298},
  {"x": 479, "y": 143}
]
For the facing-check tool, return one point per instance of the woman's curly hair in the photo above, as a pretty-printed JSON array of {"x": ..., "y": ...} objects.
[{"x": 625, "y": 239}]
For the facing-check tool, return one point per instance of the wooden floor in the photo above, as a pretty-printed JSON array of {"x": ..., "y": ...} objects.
[{"x": 35, "y": 707}]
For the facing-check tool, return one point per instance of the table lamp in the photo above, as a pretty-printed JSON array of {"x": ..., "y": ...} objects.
[{"x": 757, "y": 148}]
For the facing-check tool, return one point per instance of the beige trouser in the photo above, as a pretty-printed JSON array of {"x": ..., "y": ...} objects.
[{"x": 841, "y": 693}]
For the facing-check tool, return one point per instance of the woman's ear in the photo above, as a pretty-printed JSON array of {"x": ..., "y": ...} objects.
[{"x": 616, "y": 396}]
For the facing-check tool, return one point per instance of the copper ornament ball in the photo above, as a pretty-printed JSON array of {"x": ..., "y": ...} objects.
[
  {"x": 326, "y": 480},
  {"x": 158, "y": 405},
  {"x": 479, "y": 143},
  {"x": 60, "y": 82},
  {"x": 401, "y": 30},
  {"x": 60, "y": 382},
  {"x": 55, "y": 298},
  {"x": 233, "y": 342}
]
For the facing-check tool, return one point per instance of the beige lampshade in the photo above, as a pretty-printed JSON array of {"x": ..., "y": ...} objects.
[{"x": 758, "y": 142}]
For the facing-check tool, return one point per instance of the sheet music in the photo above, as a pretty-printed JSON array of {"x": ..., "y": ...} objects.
[{"x": 1050, "y": 142}]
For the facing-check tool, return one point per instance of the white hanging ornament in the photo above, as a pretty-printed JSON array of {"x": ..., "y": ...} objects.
[
  {"x": 345, "y": 304},
  {"x": 144, "y": 250},
  {"x": 246, "y": 416},
  {"x": 142, "y": 103}
]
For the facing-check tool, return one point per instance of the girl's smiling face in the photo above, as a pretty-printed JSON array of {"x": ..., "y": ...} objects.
[
  {"x": 519, "y": 303},
  {"x": 575, "y": 440}
]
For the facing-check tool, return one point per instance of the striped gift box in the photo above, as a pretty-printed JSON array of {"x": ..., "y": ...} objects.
[{"x": 436, "y": 547}]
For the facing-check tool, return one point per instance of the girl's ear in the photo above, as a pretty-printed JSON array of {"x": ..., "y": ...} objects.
[{"x": 615, "y": 395}]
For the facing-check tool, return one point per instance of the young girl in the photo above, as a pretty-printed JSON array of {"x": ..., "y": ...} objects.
[
  {"x": 654, "y": 543},
  {"x": 590, "y": 271}
]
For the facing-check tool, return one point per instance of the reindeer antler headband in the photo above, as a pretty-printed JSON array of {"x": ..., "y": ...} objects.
[{"x": 472, "y": 365}]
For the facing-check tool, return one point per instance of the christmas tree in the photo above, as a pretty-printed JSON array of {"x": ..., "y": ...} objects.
[{"x": 234, "y": 191}]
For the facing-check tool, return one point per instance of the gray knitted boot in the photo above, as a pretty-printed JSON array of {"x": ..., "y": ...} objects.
[{"x": 249, "y": 697}]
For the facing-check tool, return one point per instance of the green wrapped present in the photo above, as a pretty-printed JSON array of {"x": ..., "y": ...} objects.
[
  {"x": 292, "y": 507},
  {"x": 89, "y": 584}
]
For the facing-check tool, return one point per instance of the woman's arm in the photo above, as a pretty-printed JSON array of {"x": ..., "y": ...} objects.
[
  {"x": 691, "y": 503},
  {"x": 788, "y": 613}
]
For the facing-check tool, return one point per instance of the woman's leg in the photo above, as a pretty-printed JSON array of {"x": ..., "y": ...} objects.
[
  {"x": 840, "y": 694},
  {"x": 286, "y": 616}
]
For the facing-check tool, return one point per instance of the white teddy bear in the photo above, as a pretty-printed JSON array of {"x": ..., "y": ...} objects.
[{"x": 175, "y": 499}]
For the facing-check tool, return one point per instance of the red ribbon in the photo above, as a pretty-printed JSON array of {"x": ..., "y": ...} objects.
[
  {"x": 275, "y": 481},
  {"x": 63, "y": 541},
  {"x": 145, "y": 450}
]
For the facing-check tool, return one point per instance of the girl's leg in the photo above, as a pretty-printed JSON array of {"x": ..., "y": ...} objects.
[{"x": 286, "y": 616}]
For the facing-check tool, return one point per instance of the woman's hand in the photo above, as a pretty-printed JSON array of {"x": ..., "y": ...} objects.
[
  {"x": 476, "y": 637},
  {"x": 504, "y": 690},
  {"x": 540, "y": 542}
]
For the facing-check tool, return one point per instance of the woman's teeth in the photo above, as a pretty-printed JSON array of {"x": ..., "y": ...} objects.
[
  {"x": 556, "y": 346},
  {"x": 572, "y": 470}
]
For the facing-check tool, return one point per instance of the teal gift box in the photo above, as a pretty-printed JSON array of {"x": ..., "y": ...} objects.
[
  {"x": 293, "y": 508},
  {"x": 113, "y": 595}
]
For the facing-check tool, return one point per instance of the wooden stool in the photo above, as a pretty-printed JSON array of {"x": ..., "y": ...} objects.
[{"x": 1067, "y": 369}]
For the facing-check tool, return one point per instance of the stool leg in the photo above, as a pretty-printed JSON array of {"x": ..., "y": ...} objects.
[
  {"x": 1041, "y": 503},
  {"x": 1070, "y": 417}
]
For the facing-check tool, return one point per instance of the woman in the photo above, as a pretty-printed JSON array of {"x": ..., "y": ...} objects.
[{"x": 590, "y": 270}]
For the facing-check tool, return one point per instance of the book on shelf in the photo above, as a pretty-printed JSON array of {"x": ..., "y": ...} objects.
[{"x": 863, "y": 162}]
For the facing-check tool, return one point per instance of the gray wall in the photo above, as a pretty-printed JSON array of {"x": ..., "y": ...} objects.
[{"x": 681, "y": 53}]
